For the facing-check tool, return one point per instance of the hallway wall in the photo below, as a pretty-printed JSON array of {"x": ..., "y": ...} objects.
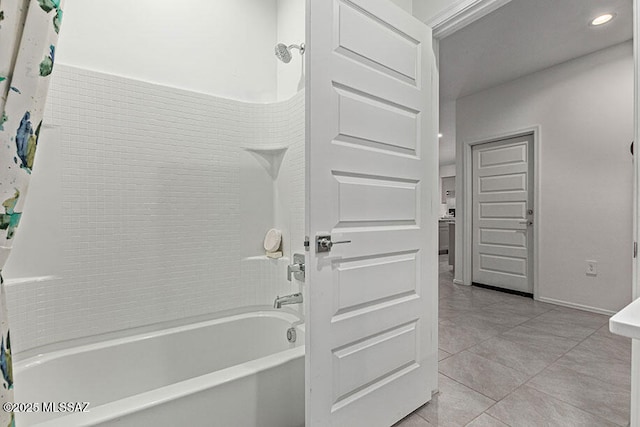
[{"x": 584, "y": 108}]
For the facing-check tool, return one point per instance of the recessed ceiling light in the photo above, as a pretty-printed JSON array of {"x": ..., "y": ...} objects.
[
  {"x": 439, "y": 135},
  {"x": 602, "y": 19}
]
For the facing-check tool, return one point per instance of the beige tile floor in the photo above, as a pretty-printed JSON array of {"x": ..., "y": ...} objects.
[{"x": 511, "y": 361}]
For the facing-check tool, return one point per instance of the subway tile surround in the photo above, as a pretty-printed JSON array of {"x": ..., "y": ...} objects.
[{"x": 150, "y": 202}]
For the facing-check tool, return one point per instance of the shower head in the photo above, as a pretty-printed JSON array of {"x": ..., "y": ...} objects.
[{"x": 283, "y": 52}]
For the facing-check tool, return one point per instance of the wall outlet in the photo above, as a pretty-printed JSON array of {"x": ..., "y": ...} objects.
[{"x": 592, "y": 268}]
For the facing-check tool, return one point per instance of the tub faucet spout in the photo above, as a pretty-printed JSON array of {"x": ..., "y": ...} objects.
[{"x": 287, "y": 299}]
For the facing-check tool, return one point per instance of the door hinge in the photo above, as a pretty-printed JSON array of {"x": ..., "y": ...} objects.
[
  {"x": 306, "y": 243},
  {"x": 635, "y": 249}
]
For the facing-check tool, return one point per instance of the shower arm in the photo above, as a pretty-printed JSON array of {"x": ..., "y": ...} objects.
[{"x": 300, "y": 47}]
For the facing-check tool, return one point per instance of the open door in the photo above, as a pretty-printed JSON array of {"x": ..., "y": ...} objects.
[{"x": 372, "y": 205}]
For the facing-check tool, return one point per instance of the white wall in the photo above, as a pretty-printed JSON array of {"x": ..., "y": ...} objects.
[
  {"x": 447, "y": 128},
  {"x": 405, "y": 4},
  {"x": 291, "y": 30},
  {"x": 584, "y": 108},
  {"x": 222, "y": 48},
  {"x": 425, "y": 10},
  {"x": 447, "y": 152}
]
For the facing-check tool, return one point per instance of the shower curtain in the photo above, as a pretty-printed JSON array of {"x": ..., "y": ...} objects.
[{"x": 28, "y": 37}]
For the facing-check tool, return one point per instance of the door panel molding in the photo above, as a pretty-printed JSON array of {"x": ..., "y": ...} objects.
[{"x": 372, "y": 180}]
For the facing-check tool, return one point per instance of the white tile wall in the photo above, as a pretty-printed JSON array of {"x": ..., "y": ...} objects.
[{"x": 150, "y": 202}]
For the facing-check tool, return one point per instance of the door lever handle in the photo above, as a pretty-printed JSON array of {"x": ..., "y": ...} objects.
[
  {"x": 324, "y": 243},
  {"x": 526, "y": 222}
]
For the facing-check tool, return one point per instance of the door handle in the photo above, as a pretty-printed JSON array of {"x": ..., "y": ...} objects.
[
  {"x": 526, "y": 222},
  {"x": 324, "y": 243}
]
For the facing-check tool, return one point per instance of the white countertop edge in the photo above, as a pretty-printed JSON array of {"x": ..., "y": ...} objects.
[{"x": 627, "y": 321}]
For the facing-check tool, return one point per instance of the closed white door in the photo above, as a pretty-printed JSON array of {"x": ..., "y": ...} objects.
[
  {"x": 503, "y": 214},
  {"x": 372, "y": 180}
]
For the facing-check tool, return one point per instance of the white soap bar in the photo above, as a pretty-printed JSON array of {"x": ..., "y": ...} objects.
[{"x": 272, "y": 240}]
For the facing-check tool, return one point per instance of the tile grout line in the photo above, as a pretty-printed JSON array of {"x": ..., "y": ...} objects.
[
  {"x": 418, "y": 414},
  {"x": 557, "y": 398},
  {"x": 470, "y": 388},
  {"x": 492, "y": 416},
  {"x": 556, "y": 308},
  {"x": 526, "y": 383},
  {"x": 491, "y": 337},
  {"x": 573, "y": 406}
]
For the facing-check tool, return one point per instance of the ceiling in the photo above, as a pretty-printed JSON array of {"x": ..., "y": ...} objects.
[
  {"x": 526, "y": 36},
  {"x": 520, "y": 38}
]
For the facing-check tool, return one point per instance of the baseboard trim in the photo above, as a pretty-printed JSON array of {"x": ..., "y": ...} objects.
[
  {"x": 459, "y": 282},
  {"x": 504, "y": 290},
  {"x": 576, "y": 306}
]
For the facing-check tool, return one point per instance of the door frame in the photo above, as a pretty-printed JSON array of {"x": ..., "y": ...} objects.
[
  {"x": 467, "y": 217},
  {"x": 635, "y": 353},
  {"x": 636, "y": 135},
  {"x": 460, "y": 14}
]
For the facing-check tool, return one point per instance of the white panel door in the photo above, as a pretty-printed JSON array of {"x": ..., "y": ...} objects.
[
  {"x": 503, "y": 214},
  {"x": 372, "y": 179}
]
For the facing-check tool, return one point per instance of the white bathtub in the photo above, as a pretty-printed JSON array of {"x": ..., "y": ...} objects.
[{"x": 230, "y": 372}]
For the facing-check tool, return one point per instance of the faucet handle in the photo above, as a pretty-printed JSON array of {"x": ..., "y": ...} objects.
[{"x": 297, "y": 268}]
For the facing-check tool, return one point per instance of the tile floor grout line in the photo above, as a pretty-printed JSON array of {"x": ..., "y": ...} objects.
[
  {"x": 542, "y": 371},
  {"x": 579, "y": 374},
  {"x": 470, "y": 388},
  {"x": 556, "y": 359},
  {"x": 503, "y": 365},
  {"x": 479, "y": 415},
  {"x": 497, "y": 419},
  {"x": 494, "y": 417},
  {"x": 557, "y": 398},
  {"x": 465, "y": 297},
  {"x": 572, "y": 405},
  {"x": 560, "y": 336},
  {"x": 418, "y": 413},
  {"x": 535, "y": 375},
  {"x": 480, "y": 342}
]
